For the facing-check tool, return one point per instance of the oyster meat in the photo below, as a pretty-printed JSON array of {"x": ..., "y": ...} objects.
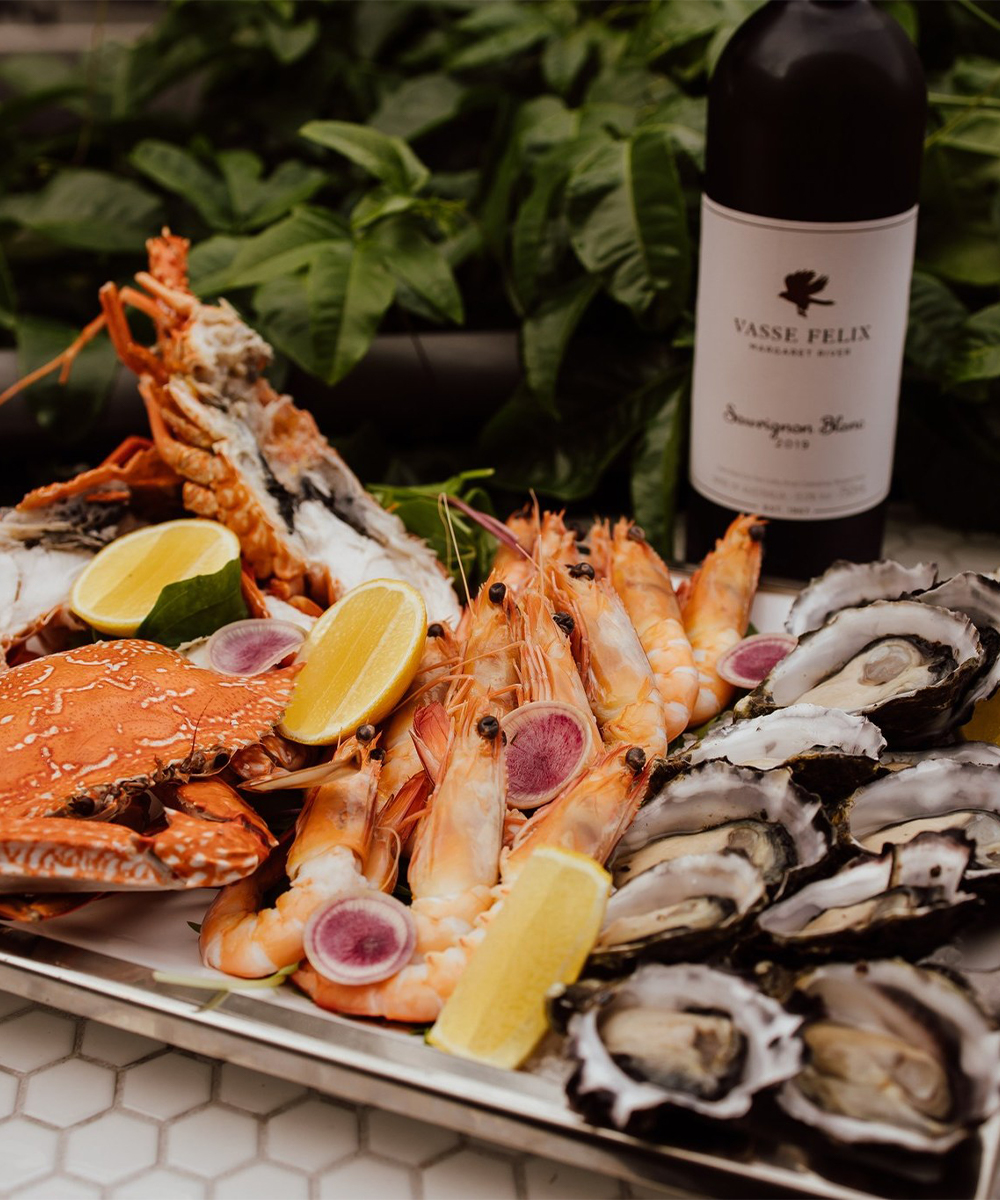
[
  {"x": 684, "y": 1036},
  {"x": 937, "y": 795},
  {"x": 894, "y": 1054},
  {"x": 899, "y": 662},
  {"x": 677, "y": 908},
  {"x": 714, "y": 807},
  {"x": 911, "y": 895}
]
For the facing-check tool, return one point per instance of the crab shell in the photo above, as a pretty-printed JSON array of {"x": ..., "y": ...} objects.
[{"x": 85, "y": 731}]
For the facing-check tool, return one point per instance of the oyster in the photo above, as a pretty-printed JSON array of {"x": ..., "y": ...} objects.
[
  {"x": 893, "y": 1054},
  {"x": 716, "y": 806},
  {"x": 938, "y": 795},
  {"x": 849, "y": 584},
  {"x": 898, "y": 662},
  {"x": 684, "y": 1036},
  {"x": 911, "y": 892},
  {"x": 828, "y": 751},
  {"x": 984, "y": 753},
  {"x": 678, "y": 908}
]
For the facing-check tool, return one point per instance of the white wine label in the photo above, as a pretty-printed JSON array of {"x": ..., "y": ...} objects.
[{"x": 798, "y": 352}]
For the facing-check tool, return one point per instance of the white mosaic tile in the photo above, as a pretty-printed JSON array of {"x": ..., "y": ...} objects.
[
  {"x": 34, "y": 1039},
  {"x": 266, "y": 1181},
  {"x": 365, "y": 1179},
  {"x": 69, "y": 1092},
  {"x": 9, "y": 1003},
  {"x": 27, "y": 1151},
  {"x": 8, "y": 1094},
  {"x": 167, "y": 1086},
  {"x": 255, "y": 1091},
  {"x": 159, "y": 1184},
  {"x": 548, "y": 1180},
  {"x": 312, "y": 1135},
  {"x": 211, "y": 1142},
  {"x": 59, "y": 1187},
  {"x": 470, "y": 1176},
  {"x": 407, "y": 1141},
  {"x": 116, "y": 1046},
  {"x": 111, "y": 1148}
]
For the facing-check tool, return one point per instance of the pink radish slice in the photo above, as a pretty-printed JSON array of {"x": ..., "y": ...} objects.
[
  {"x": 548, "y": 744},
  {"x": 360, "y": 939},
  {"x": 751, "y": 660},
  {"x": 251, "y": 647}
]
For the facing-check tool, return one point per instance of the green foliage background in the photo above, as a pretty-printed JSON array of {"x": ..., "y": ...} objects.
[{"x": 345, "y": 168}]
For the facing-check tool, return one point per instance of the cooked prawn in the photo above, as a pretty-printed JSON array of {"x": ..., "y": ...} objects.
[
  {"x": 642, "y": 580},
  {"x": 715, "y": 605},
  {"x": 326, "y": 860}
]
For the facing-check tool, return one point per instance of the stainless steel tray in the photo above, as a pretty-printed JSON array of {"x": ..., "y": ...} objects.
[{"x": 99, "y": 963}]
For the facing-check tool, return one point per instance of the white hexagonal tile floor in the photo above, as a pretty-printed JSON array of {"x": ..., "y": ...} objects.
[{"x": 68, "y": 1093}]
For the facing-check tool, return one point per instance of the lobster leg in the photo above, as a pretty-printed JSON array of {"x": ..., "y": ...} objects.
[
  {"x": 134, "y": 463},
  {"x": 212, "y": 837}
]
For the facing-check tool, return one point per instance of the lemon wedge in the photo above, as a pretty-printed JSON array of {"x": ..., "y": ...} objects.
[
  {"x": 542, "y": 936},
  {"x": 984, "y": 724},
  {"x": 119, "y": 587},
  {"x": 360, "y": 658}
]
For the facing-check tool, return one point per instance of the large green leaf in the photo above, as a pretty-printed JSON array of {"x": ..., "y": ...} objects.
[
  {"x": 282, "y": 308},
  {"x": 194, "y": 608},
  {"x": 936, "y": 315},
  {"x": 387, "y": 158},
  {"x": 965, "y": 254},
  {"x": 181, "y": 172},
  {"x": 977, "y": 355},
  {"x": 419, "y": 265},
  {"x": 546, "y": 333},
  {"x": 657, "y": 469},
  {"x": 505, "y": 30},
  {"x": 282, "y": 250},
  {"x": 419, "y": 105},
  {"x": 349, "y": 292},
  {"x": 628, "y": 222},
  {"x": 88, "y": 210},
  {"x": 565, "y": 57},
  {"x": 255, "y": 201}
]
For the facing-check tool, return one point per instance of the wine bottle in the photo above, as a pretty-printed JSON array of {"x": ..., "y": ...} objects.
[{"x": 816, "y": 117}]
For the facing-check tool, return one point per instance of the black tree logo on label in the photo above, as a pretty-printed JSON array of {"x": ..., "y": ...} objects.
[{"x": 801, "y": 288}]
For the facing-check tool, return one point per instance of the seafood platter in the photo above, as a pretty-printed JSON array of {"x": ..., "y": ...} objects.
[{"x": 791, "y": 983}]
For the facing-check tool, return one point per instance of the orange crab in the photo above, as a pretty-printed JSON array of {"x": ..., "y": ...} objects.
[{"x": 84, "y": 736}]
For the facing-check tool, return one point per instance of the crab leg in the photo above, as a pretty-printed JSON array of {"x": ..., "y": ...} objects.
[{"x": 213, "y": 838}]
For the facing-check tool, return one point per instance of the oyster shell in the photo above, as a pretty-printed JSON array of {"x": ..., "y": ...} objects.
[
  {"x": 678, "y": 908},
  {"x": 938, "y": 795},
  {"x": 684, "y": 1036},
  {"x": 898, "y": 662},
  {"x": 849, "y": 584},
  {"x": 909, "y": 895},
  {"x": 713, "y": 807},
  {"x": 894, "y": 1054},
  {"x": 984, "y": 753},
  {"x": 828, "y": 751}
]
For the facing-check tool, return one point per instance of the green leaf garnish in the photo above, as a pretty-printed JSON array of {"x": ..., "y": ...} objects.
[{"x": 195, "y": 607}]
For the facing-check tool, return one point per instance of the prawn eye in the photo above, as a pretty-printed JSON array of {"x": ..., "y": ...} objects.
[
  {"x": 488, "y": 727},
  {"x": 581, "y": 570},
  {"x": 436, "y": 630},
  {"x": 497, "y": 592},
  {"x": 565, "y": 622},
  {"x": 377, "y": 755},
  {"x": 636, "y": 533},
  {"x": 636, "y": 759},
  {"x": 757, "y": 532},
  {"x": 365, "y": 733}
]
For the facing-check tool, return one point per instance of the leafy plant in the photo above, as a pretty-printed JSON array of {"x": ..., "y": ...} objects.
[{"x": 511, "y": 165}]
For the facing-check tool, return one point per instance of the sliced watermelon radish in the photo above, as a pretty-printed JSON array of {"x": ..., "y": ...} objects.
[
  {"x": 360, "y": 939},
  {"x": 253, "y": 646},
  {"x": 751, "y": 660},
  {"x": 548, "y": 744}
]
